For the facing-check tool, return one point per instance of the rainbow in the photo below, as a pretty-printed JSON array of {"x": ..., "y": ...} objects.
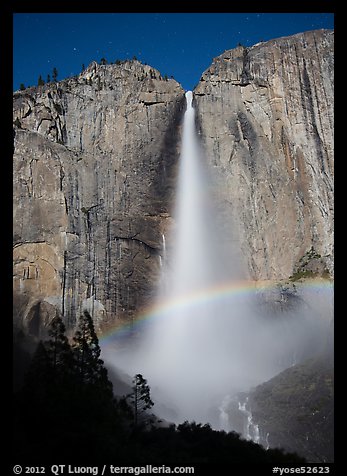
[{"x": 218, "y": 293}]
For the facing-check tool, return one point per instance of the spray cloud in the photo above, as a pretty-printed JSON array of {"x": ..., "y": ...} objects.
[{"x": 208, "y": 345}]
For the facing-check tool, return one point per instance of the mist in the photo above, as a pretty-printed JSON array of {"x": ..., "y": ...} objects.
[{"x": 212, "y": 334}]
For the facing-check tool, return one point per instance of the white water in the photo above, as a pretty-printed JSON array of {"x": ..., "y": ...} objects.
[
  {"x": 164, "y": 246},
  {"x": 224, "y": 422},
  {"x": 251, "y": 430},
  {"x": 197, "y": 352},
  {"x": 267, "y": 445},
  {"x": 185, "y": 348}
]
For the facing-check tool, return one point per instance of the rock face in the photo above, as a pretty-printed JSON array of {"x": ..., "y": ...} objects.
[
  {"x": 95, "y": 159},
  {"x": 295, "y": 410},
  {"x": 265, "y": 116},
  {"x": 95, "y": 163}
]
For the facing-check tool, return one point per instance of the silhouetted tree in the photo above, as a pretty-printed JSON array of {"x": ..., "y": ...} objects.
[
  {"x": 51, "y": 368},
  {"x": 40, "y": 81},
  {"x": 48, "y": 78},
  {"x": 90, "y": 368},
  {"x": 67, "y": 401},
  {"x": 59, "y": 350},
  {"x": 103, "y": 61},
  {"x": 55, "y": 74},
  {"x": 140, "y": 398},
  {"x": 21, "y": 86},
  {"x": 83, "y": 421},
  {"x": 83, "y": 68}
]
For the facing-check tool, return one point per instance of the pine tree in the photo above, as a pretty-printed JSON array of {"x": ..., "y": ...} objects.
[
  {"x": 68, "y": 399},
  {"x": 103, "y": 61},
  {"x": 83, "y": 68},
  {"x": 21, "y": 86},
  {"x": 58, "y": 349},
  {"x": 40, "y": 81},
  {"x": 51, "y": 367},
  {"x": 140, "y": 399},
  {"x": 55, "y": 74},
  {"x": 90, "y": 368},
  {"x": 48, "y": 78}
]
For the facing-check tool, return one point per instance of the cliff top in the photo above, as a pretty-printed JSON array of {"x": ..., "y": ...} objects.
[
  {"x": 265, "y": 49},
  {"x": 103, "y": 75}
]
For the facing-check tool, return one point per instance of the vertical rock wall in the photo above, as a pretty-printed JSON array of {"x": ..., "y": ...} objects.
[
  {"x": 265, "y": 116},
  {"x": 94, "y": 171}
]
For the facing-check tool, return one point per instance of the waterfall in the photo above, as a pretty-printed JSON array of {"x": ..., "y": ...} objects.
[
  {"x": 163, "y": 256},
  {"x": 191, "y": 258},
  {"x": 197, "y": 347},
  {"x": 251, "y": 430},
  {"x": 223, "y": 415},
  {"x": 201, "y": 341},
  {"x": 186, "y": 350},
  {"x": 164, "y": 245},
  {"x": 267, "y": 445}
]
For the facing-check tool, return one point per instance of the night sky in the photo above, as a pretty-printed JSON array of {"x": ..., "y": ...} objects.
[{"x": 181, "y": 45}]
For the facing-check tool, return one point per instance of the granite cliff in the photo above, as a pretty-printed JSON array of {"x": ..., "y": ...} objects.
[
  {"x": 265, "y": 116},
  {"x": 94, "y": 168},
  {"x": 95, "y": 162}
]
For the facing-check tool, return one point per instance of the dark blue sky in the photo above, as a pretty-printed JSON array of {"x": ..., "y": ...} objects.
[{"x": 178, "y": 44}]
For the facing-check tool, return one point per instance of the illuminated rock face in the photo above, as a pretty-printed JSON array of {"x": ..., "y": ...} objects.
[
  {"x": 95, "y": 161},
  {"x": 265, "y": 116},
  {"x": 95, "y": 167}
]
